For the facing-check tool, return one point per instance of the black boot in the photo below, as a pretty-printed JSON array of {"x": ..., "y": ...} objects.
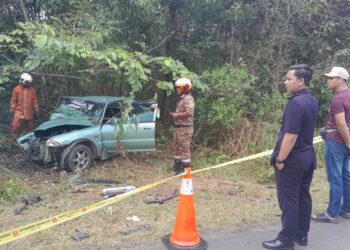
[
  {"x": 178, "y": 168},
  {"x": 174, "y": 166},
  {"x": 185, "y": 165},
  {"x": 182, "y": 167}
]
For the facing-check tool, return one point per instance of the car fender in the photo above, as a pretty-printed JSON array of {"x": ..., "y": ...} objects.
[{"x": 88, "y": 143}]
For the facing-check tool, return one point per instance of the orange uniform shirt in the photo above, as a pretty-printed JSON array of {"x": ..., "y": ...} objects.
[{"x": 24, "y": 102}]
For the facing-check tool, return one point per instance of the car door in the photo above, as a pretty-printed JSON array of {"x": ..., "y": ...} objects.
[
  {"x": 110, "y": 128},
  {"x": 139, "y": 132}
]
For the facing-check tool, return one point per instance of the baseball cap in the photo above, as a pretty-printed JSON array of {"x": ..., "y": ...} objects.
[{"x": 338, "y": 72}]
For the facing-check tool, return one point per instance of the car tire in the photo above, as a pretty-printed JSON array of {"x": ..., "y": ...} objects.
[{"x": 78, "y": 158}]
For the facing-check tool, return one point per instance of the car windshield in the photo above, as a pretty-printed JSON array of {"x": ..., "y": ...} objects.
[{"x": 79, "y": 109}]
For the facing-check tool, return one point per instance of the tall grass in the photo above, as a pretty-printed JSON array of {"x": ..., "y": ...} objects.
[{"x": 10, "y": 190}]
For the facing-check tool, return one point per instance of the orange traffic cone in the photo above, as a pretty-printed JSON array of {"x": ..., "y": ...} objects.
[{"x": 185, "y": 235}]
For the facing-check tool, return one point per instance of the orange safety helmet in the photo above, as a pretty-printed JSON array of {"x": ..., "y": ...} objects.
[{"x": 184, "y": 84}]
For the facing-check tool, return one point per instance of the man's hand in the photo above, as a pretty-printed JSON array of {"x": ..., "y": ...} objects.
[
  {"x": 280, "y": 166},
  {"x": 173, "y": 114}
]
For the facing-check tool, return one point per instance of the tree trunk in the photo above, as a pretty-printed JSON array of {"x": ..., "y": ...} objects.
[{"x": 24, "y": 12}]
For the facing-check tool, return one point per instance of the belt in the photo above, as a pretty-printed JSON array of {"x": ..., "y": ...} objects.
[
  {"x": 183, "y": 126},
  {"x": 331, "y": 130}
]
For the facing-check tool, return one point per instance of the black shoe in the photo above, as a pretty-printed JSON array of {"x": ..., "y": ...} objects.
[
  {"x": 178, "y": 168},
  {"x": 278, "y": 245},
  {"x": 302, "y": 241}
]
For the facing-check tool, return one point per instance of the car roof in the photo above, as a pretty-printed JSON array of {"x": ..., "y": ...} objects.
[{"x": 99, "y": 99}]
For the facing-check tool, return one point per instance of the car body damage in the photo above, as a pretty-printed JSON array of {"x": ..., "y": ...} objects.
[{"x": 84, "y": 128}]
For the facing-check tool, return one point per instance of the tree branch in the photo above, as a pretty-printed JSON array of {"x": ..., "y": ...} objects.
[
  {"x": 58, "y": 75},
  {"x": 163, "y": 41}
]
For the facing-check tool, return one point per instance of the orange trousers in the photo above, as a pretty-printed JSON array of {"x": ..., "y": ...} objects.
[{"x": 19, "y": 125}]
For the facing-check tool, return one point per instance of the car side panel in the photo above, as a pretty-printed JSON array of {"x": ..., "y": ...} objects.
[
  {"x": 92, "y": 134},
  {"x": 139, "y": 136}
]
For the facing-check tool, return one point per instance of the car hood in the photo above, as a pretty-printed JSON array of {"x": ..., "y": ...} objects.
[{"x": 60, "y": 125}]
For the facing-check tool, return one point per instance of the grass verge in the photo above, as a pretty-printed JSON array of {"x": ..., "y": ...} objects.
[{"x": 236, "y": 197}]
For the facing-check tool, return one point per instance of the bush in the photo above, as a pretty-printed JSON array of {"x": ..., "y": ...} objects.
[
  {"x": 234, "y": 112},
  {"x": 10, "y": 190}
]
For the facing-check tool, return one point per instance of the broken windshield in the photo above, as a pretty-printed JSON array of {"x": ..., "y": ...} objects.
[{"x": 78, "y": 109}]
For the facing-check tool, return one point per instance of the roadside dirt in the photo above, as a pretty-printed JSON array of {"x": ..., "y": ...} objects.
[{"x": 224, "y": 199}]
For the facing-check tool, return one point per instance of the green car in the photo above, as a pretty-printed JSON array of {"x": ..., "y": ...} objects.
[{"x": 82, "y": 129}]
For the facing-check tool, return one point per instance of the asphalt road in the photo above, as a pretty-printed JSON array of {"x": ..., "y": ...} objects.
[{"x": 322, "y": 236}]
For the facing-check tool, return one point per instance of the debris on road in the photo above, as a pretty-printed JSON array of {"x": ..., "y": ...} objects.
[
  {"x": 76, "y": 181},
  {"x": 133, "y": 218},
  {"x": 79, "y": 236},
  {"x": 160, "y": 199},
  {"x": 110, "y": 192},
  {"x": 28, "y": 200},
  {"x": 138, "y": 230}
]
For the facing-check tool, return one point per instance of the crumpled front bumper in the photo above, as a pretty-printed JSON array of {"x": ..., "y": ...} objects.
[{"x": 38, "y": 151}]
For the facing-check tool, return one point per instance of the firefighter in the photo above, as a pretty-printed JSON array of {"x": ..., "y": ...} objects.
[
  {"x": 24, "y": 106},
  {"x": 183, "y": 122}
]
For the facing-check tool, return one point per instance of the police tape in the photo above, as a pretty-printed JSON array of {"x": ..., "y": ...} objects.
[
  {"x": 316, "y": 140},
  {"x": 32, "y": 228}
]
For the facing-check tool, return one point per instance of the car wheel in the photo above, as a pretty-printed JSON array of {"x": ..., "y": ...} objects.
[{"x": 79, "y": 157}]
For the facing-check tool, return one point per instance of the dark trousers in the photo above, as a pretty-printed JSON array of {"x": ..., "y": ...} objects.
[{"x": 293, "y": 192}]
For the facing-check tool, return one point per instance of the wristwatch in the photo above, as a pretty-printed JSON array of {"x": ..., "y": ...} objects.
[{"x": 279, "y": 161}]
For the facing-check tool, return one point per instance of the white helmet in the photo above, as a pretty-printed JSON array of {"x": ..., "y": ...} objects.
[
  {"x": 184, "y": 84},
  {"x": 26, "y": 78}
]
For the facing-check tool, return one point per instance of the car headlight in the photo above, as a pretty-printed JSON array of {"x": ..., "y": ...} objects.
[{"x": 52, "y": 143}]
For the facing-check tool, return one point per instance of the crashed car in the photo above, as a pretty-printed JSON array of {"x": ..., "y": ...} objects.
[{"x": 82, "y": 129}]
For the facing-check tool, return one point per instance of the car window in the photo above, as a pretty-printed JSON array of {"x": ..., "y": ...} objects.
[
  {"x": 137, "y": 109},
  {"x": 79, "y": 109},
  {"x": 112, "y": 110}
]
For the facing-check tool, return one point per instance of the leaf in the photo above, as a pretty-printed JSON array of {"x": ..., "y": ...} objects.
[
  {"x": 168, "y": 62},
  {"x": 167, "y": 86},
  {"x": 5, "y": 38},
  {"x": 40, "y": 41},
  {"x": 16, "y": 32},
  {"x": 32, "y": 64}
]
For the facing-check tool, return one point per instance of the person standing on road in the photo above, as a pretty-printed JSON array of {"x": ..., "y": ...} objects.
[
  {"x": 183, "y": 122},
  {"x": 294, "y": 160},
  {"x": 24, "y": 106},
  {"x": 337, "y": 148}
]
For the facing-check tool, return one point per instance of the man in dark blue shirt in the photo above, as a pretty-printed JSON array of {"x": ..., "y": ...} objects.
[{"x": 294, "y": 160}]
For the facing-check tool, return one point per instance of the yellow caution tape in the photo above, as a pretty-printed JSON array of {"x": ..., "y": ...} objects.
[
  {"x": 32, "y": 228},
  {"x": 317, "y": 139}
]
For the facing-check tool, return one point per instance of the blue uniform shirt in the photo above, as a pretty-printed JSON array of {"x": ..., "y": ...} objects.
[{"x": 299, "y": 117}]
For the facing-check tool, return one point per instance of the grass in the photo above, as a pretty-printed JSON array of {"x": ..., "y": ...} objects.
[
  {"x": 232, "y": 197},
  {"x": 10, "y": 190}
]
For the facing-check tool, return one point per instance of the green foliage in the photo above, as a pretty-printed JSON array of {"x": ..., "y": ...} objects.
[
  {"x": 225, "y": 101},
  {"x": 232, "y": 95},
  {"x": 10, "y": 190},
  {"x": 241, "y": 49},
  {"x": 58, "y": 53},
  {"x": 323, "y": 95}
]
